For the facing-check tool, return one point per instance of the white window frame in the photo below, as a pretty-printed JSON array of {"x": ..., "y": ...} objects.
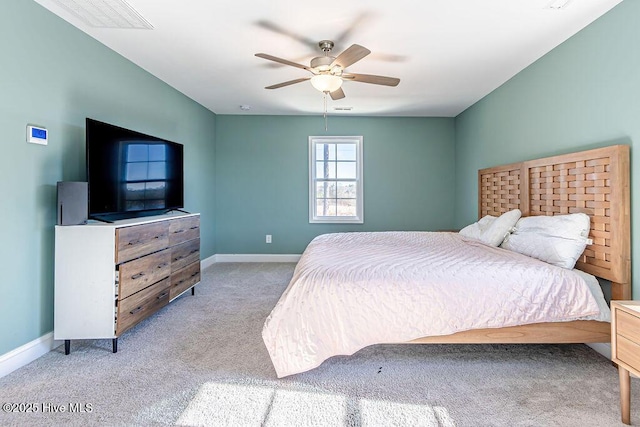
[{"x": 313, "y": 217}]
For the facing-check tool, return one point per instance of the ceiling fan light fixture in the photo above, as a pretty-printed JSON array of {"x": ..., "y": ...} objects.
[
  {"x": 322, "y": 63},
  {"x": 326, "y": 82}
]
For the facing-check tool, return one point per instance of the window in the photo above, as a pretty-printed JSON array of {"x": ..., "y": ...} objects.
[
  {"x": 335, "y": 179},
  {"x": 145, "y": 176}
]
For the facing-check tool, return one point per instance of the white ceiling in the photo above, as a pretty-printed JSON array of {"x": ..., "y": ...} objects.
[{"x": 447, "y": 53}]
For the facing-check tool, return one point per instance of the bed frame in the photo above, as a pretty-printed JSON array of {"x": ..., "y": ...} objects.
[{"x": 595, "y": 182}]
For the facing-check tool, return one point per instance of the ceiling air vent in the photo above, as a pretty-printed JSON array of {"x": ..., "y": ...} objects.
[
  {"x": 558, "y": 4},
  {"x": 106, "y": 13},
  {"x": 343, "y": 108}
]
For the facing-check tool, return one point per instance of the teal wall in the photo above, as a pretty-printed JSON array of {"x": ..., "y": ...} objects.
[
  {"x": 53, "y": 75},
  {"x": 583, "y": 94},
  {"x": 262, "y": 170}
]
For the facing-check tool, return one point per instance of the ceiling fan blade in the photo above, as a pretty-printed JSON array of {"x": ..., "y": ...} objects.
[
  {"x": 353, "y": 54},
  {"x": 337, "y": 94},
  {"x": 282, "y": 61},
  {"x": 290, "y": 82},
  {"x": 267, "y": 25},
  {"x": 357, "y": 23},
  {"x": 369, "y": 78}
]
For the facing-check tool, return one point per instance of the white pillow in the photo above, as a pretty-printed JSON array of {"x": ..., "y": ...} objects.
[
  {"x": 500, "y": 228},
  {"x": 476, "y": 229},
  {"x": 558, "y": 240},
  {"x": 491, "y": 230}
]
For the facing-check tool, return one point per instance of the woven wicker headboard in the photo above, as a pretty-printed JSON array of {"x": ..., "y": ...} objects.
[{"x": 595, "y": 182}]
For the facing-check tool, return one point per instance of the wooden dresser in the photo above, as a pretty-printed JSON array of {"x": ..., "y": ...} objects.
[
  {"x": 109, "y": 277},
  {"x": 625, "y": 348}
]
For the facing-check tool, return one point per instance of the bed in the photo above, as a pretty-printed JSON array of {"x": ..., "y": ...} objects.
[{"x": 424, "y": 287}]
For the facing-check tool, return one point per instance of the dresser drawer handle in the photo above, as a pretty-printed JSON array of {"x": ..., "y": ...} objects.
[
  {"x": 162, "y": 295},
  {"x": 137, "y": 276},
  {"x": 180, "y": 282},
  {"x": 195, "y": 227},
  {"x": 193, "y": 251},
  {"x": 164, "y": 264},
  {"x": 178, "y": 231},
  {"x": 195, "y": 274},
  {"x": 133, "y": 242},
  {"x": 135, "y": 310},
  {"x": 178, "y": 258}
]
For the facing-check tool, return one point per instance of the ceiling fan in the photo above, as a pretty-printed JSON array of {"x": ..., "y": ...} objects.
[{"x": 328, "y": 72}]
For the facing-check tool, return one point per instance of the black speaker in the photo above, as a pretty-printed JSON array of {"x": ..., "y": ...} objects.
[{"x": 73, "y": 203}]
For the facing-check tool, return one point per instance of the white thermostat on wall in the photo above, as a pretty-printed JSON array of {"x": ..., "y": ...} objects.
[{"x": 37, "y": 135}]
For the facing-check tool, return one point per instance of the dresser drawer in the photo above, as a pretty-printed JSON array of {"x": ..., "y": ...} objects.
[
  {"x": 140, "y": 305},
  {"x": 142, "y": 272},
  {"x": 184, "y": 279},
  {"x": 628, "y": 326},
  {"x": 183, "y": 229},
  {"x": 185, "y": 254},
  {"x": 138, "y": 240}
]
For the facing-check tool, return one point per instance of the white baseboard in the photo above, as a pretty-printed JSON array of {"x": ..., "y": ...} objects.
[
  {"x": 602, "y": 348},
  {"x": 207, "y": 262},
  {"x": 257, "y": 258},
  {"x": 27, "y": 353}
]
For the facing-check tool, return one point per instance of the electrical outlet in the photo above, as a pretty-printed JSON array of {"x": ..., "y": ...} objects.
[{"x": 268, "y": 238}]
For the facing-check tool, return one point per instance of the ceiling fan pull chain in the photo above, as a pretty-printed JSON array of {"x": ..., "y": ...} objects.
[{"x": 326, "y": 126}]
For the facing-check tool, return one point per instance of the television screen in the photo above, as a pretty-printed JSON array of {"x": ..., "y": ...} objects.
[{"x": 130, "y": 173}]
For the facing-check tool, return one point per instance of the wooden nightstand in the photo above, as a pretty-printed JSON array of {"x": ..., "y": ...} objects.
[{"x": 625, "y": 348}]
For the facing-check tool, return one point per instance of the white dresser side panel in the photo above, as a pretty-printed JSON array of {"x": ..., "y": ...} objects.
[{"x": 84, "y": 282}]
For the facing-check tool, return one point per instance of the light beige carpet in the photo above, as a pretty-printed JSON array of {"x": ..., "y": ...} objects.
[{"x": 201, "y": 361}]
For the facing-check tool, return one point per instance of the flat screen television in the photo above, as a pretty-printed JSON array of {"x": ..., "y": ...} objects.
[{"x": 131, "y": 174}]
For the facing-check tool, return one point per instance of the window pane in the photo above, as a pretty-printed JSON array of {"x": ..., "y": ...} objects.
[
  {"x": 326, "y": 207},
  {"x": 325, "y": 151},
  {"x": 136, "y": 171},
  {"x": 157, "y": 170},
  {"x": 156, "y": 190},
  {"x": 325, "y": 170},
  {"x": 347, "y": 152},
  {"x": 135, "y": 205},
  {"x": 346, "y": 207},
  {"x": 154, "y": 204},
  {"x": 347, "y": 170},
  {"x": 137, "y": 153},
  {"x": 157, "y": 153},
  {"x": 134, "y": 191},
  {"x": 346, "y": 190},
  {"x": 326, "y": 190}
]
